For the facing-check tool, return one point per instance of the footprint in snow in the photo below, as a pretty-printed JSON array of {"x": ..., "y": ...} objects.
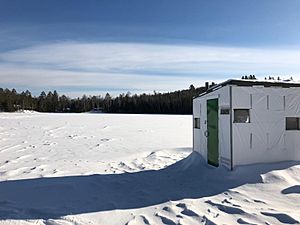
[
  {"x": 215, "y": 215},
  {"x": 259, "y": 201},
  {"x": 228, "y": 202},
  {"x": 49, "y": 143},
  {"x": 105, "y": 139},
  {"x": 73, "y": 136}
]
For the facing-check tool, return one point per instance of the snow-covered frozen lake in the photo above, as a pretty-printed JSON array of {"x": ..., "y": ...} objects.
[{"x": 130, "y": 169}]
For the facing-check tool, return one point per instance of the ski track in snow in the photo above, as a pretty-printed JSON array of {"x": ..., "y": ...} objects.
[{"x": 73, "y": 169}]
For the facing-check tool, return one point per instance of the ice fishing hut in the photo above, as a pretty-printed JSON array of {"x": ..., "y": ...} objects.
[{"x": 241, "y": 122}]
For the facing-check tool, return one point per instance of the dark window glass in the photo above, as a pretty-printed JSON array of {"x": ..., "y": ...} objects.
[
  {"x": 197, "y": 123},
  {"x": 241, "y": 116},
  {"x": 225, "y": 111},
  {"x": 292, "y": 123}
]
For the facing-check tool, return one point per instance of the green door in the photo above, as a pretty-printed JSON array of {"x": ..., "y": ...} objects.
[{"x": 212, "y": 132}]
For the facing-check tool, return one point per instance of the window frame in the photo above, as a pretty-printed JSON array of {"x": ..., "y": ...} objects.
[
  {"x": 224, "y": 110},
  {"x": 197, "y": 124},
  {"x": 238, "y": 121},
  {"x": 293, "y": 128}
]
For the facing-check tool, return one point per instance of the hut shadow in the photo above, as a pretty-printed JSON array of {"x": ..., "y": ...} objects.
[{"x": 53, "y": 197}]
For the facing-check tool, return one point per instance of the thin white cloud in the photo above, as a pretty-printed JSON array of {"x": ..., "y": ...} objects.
[
  {"x": 137, "y": 66},
  {"x": 39, "y": 79}
]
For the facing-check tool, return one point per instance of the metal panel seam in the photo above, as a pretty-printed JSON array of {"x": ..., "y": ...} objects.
[{"x": 231, "y": 138}]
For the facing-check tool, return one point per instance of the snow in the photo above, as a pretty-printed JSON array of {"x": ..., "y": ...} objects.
[{"x": 130, "y": 169}]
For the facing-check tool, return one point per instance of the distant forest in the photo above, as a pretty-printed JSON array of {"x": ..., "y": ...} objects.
[{"x": 177, "y": 102}]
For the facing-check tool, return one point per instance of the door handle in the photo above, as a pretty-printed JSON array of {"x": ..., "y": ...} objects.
[{"x": 206, "y": 133}]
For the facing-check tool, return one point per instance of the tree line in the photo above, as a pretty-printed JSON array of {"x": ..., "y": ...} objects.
[{"x": 177, "y": 102}]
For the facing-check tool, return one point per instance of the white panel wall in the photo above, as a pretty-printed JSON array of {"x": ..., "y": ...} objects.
[
  {"x": 265, "y": 139},
  {"x": 240, "y": 98},
  {"x": 224, "y": 128},
  {"x": 292, "y": 109},
  {"x": 200, "y": 140},
  {"x": 197, "y": 132},
  {"x": 292, "y": 104}
]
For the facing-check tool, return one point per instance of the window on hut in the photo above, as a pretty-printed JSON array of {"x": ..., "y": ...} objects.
[
  {"x": 241, "y": 116},
  {"x": 292, "y": 123},
  {"x": 197, "y": 123}
]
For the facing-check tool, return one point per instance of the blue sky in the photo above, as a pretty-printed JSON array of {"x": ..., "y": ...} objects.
[{"x": 95, "y": 47}]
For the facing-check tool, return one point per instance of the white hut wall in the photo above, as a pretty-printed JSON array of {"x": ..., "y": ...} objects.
[{"x": 264, "y": 138}]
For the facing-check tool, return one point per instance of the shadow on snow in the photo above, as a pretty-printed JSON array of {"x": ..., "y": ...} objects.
[{"x": 53, "y": 197}]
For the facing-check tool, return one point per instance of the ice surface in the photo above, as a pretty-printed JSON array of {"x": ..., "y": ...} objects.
[{"x": 130, "y": 169}]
